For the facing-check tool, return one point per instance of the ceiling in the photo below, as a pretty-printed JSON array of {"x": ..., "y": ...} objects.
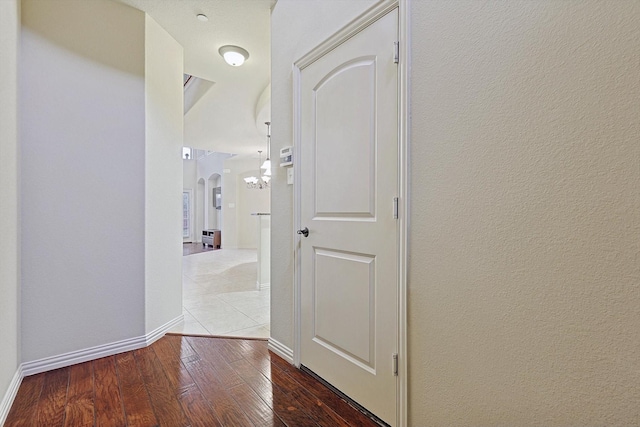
[{"x": 229, "y": 116}]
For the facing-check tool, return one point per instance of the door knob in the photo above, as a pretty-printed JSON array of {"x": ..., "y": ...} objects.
[{"x": 304, "y": 232}]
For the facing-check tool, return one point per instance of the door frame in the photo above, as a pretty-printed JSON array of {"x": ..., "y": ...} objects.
[{"x": 367, "y": 18}]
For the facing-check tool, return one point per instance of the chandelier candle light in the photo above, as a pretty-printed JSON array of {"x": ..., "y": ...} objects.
[{"x": 264, "y": 181}]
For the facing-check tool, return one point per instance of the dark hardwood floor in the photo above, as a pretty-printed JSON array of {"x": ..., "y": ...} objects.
[
  {"x": 182, "y": 381},
  {"x": 196, "y": 248}
]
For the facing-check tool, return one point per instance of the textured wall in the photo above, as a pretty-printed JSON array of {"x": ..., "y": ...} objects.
[
  {"x": 296, "y": 28},
  {"x": 524, "y": 293},
  {"x": 9, "y": 221}
]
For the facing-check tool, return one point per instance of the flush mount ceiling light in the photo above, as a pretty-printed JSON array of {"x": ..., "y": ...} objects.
[
  {"x": 202, "y": 17},
  {"x": 234, "y": 55}
]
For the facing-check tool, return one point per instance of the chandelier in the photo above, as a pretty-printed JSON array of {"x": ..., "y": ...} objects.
[{"x": 262, "y": 182}]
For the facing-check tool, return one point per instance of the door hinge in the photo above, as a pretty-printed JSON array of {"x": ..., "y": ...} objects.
[
  {"x": 395, "y": 364},
  {"x": 395, "y": 208},
  {"x": 396, "y": 52}
]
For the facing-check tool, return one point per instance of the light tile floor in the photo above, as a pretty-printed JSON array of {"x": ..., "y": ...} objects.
[{"x": 219, "y": 295}]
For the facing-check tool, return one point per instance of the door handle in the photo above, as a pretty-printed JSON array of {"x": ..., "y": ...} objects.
[{"x": 304, "y": 232}]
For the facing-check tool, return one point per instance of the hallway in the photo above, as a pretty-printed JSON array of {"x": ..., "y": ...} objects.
[{"x": 220, "y": 297}]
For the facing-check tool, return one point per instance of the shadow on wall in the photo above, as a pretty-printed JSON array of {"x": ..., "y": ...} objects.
[{"x": 66, "y": 36}]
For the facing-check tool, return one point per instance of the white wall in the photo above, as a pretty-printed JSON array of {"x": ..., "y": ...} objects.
[
  {"x": 296, "y": 28},
  {"x": 249, "y": 201},
  {"x": 239, "y": 227},
  {"x": 213, "y": 182},
  {"x": 195, "y": 170},
  {"x": 163, "y": 176},
  {"x": 525, "y": 239},
  {"x": 229, "y": 205},
  {"x": 212, "y": 164},
  {"x": 525, "y": 207},
  {"x": 9, "y": 206},
  {"x": 82, "y": 117}
]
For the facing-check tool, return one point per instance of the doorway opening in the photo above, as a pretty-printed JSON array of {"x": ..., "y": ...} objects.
[{"x": 225, "y": 274}]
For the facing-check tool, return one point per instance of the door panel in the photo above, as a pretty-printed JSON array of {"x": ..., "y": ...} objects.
[
  {"x": 349, "y": 178},
  {"x": 347, "y": 147},
  {"x": 345, "y": 325}
]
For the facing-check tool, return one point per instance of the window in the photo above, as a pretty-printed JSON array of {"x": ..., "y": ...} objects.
[
  {"x": 186, "y": 153},
  {"x": 186, "y": 214}
]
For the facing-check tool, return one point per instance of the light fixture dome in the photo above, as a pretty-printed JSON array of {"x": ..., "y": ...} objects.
[{"x": 234, "y": 55}]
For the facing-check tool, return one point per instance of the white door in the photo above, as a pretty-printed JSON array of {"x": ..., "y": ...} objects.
[{"x": 349, "y": 179}]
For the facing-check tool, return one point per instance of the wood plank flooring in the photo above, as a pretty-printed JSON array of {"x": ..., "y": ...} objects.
[{"x": 182, "y": 381}]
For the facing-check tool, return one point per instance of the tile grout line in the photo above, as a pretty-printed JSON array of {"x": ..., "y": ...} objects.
[{"x": 200, "y": 266}]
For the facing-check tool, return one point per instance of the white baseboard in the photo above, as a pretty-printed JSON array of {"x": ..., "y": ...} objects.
[
  {"x": 92, "y": 353},
  {"x": 10, "y": 395},
  {"x": 263, "y": 286},
  {"x": 84, "y": 355},
  {"x": 79, "y": 356},
  {"x": 159, "y": 332},
  {"x": 281, "y": 350}
]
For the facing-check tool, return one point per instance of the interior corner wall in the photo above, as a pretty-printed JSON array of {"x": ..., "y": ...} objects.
[
  {"x": 82, "y": 140},
  {"x": 311, "y": 21},
  {"x": 524, "y": 272},
  {"x": 9, "y": 207},
  {"x": 239, "y": 227},
  {"x": 163, "y": 176}
]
